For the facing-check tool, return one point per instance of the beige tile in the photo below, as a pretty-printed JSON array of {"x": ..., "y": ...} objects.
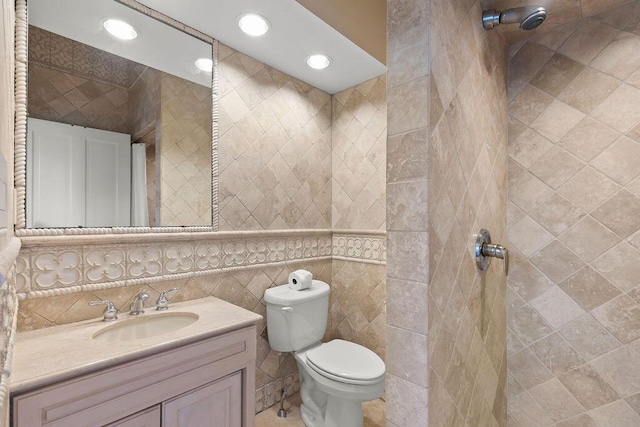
[
  {"x": 406, "y": 358},
  {"x": 407, "y": 156},
  {"x": 556, "y": 261},
  {"x": 621, "y": 369},
  {"x": 616, "y": 414},
  {"x": 528, "y": 370},
  {"x": 525, "y": 279},
  {"x": 528, "y": 325},
  {"x": 556, "y": 354},
  {"x": 403, "y": 309},
  {"x": 407, "y": 205},
  {"x": 528, "y": 148},
  {"x": 620, "y": 213},
  {"x": 557, "y": 214},
  {"x": 556, "y": 167},
  {"x": 407, "y": 104},
  {"x": 556, "y": 400},
  {"x": 588, "y": 387},
  {"x": 587, "y": 41},
  {"x": 621, "y": 317},
  {"x": 621, "y": 110},
  {"x": 588, "y": 90},
  {"x": 615, "y": 266},
  {"x": 406, "y": 255},
  {"x": 581, "y": 236},
  {"x": 589, "y": 288},
  {"x": 405, "y": 402},
  {"x": 528, "y": 236},
  {"x": 582, "y": 420},
  {"x": 529, "y": 192},
  {"x": 527, "y": 412},
  {"x": 529, "y": 104},
  {"x": 617, "y": 160},
  {"x": 556, "y": 307},
  {"x": 588, "y": 189},
  {"x": 556, "y": 74},
  {"x": 588, "y": 337},
  {"x": 588, "y": 139},
  {"x": 620, "y": 58},
  {"x": 558, "y": 119}
]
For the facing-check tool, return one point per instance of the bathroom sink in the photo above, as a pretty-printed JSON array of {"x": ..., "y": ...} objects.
[{"x": 145, "y": 327}]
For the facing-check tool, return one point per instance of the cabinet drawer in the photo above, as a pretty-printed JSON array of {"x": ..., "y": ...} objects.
[
  {"x": 113, "y": 393},
  {"x": 148, "y": 418}
]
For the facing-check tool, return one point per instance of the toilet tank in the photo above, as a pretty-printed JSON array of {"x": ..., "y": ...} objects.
[{"x": 296, "y": 319}]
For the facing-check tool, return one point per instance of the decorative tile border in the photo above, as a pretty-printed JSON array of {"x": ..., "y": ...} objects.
[
  {"x": 48, "y": 266},
  {"x": 57, "y": 265},
  {"x": 364, "y": 246}
]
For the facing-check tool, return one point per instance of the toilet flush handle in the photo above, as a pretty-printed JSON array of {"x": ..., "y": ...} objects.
[{"x": 287, "y": 308}]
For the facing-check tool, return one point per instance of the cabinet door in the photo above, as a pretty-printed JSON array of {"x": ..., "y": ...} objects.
[
  {"x": 218, "y": 404},
  {"x": 147, "y": 418}
]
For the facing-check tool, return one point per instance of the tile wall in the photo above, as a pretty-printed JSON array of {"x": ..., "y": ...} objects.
[
  {"x": 275, "y": 148},
  {"x": 184, "y": 152},
  {"x": 76, "y": 84},
  {"x": 446, "y": 174},
  {"x": 358, "y": 138},
  {"x": 574, "y": 221}
]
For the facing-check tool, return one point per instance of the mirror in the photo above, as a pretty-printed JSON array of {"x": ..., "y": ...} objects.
[{"x": 119, "y": 132}]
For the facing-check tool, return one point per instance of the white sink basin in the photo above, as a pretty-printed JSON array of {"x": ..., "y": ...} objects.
[{"x": 145, "y": 327}]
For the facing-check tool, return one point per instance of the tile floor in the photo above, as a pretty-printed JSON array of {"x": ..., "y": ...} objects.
[{"x": 373, "y": 414}]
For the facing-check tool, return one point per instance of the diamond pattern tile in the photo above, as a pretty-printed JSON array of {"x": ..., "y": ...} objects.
[
  {"x": 582, "y": 314},
  {"x": 275, "y": 149}
]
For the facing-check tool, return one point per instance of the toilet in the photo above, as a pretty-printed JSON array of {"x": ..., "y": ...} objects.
[{"x": 336, "y": 377}]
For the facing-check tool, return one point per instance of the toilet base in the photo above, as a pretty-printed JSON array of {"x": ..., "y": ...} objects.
[{"x": 342, "y": 413}]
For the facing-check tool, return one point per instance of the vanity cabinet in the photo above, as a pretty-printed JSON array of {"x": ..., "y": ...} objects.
[
  {"x": 206, "y": 383},
  {"x": 147, "y": 418}
]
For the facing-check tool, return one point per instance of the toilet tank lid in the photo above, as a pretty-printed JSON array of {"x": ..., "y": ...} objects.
[{"x": 284, "y": 295}]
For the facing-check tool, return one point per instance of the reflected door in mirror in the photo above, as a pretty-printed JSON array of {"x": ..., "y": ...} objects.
[{"x": 76, "y": 176}]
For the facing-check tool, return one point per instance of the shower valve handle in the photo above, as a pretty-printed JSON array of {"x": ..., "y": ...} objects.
[{"x": 485, "y": 250}]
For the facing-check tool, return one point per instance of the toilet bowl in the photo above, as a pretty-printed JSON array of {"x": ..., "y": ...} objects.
[{"x": 337, "y": 376}]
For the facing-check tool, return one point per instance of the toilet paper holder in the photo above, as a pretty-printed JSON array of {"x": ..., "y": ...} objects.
[{"x": 485, "y": 250}]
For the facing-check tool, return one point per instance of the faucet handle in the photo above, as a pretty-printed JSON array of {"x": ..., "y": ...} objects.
[
  {"x": 110, "y": 312},
  {"x": 162, "y": 303}
]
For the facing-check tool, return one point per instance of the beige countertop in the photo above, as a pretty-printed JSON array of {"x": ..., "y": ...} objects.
[{"x": 49, "y": 355}]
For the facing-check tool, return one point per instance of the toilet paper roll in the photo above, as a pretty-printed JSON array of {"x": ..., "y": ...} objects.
[{"x": 300, "y": 279}]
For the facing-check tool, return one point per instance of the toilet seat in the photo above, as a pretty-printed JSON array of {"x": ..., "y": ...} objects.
[{"x": 346, "y": 362}]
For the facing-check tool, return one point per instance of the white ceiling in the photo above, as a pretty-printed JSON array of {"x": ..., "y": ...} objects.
[
  {"x": 295, "y": 34},
  {"x": 157, "y": 45}
]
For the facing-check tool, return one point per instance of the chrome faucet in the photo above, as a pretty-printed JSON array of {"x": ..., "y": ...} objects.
[
  {"x": 109, "y": 313},
  {"x": 162, "y": 304},
  {"x": 137, "y": 306}
]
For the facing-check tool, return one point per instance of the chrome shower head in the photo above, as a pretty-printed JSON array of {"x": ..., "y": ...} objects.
[{"x": 528, "y": 17}]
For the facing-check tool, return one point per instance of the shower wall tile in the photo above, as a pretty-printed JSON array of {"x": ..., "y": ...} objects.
[
  {"x": 446, "y": 157},
  {"x": 574, "y": 168}
]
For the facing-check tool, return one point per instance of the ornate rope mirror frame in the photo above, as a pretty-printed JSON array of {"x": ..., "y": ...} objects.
[{"x": 20, "y": 134}]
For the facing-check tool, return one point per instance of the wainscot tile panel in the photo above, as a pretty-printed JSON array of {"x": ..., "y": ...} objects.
[{"x": 574, "y": 159}]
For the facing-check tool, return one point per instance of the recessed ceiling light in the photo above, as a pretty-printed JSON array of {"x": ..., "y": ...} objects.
[
  {"x": 120, "y": 29},
  {"x": 253, "y": 24},
  {"x": 318, "y": 61},
  {"x": 205, "y": 64}
]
